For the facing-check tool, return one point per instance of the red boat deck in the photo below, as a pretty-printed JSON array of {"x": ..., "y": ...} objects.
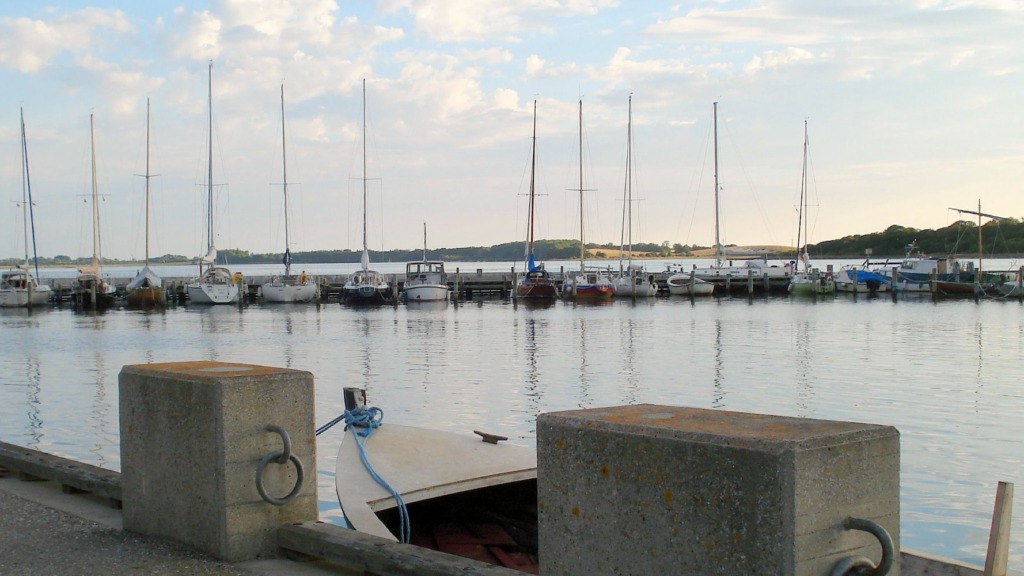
[{"x": 485, "y": 542}]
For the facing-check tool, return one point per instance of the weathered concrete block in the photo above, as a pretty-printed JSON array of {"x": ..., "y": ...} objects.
[
  {"x": 667, "y": 490},
  {"x": 192, "y": 436}
]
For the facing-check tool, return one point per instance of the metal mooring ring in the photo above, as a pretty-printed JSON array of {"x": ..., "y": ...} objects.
[
  {"x": 280, "y": 457},
  {"x": 859, "y": 565}
]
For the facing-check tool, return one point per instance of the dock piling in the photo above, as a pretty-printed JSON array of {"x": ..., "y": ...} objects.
[
  {"x": 687, "y": 491},
  {"x": 194, "y": 454}
]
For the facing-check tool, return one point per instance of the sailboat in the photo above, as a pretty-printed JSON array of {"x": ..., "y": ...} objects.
[
  {"x": 146, "y": 289},
  {"x": 90, "y": 290},
  {"x": 426, "y": 280},
  {"x": 535, "y": 283},
  {"x": 365, "y": 286},
  {"x": 586, "y": 284},
  {"x": 19, "y": 288},
  {"x": 215, "y": 285},
  {"x": 810, "y": 281},
  {"x": 633, "y": 281},
  {"x": 289, "y": 288},
  {"x": 756, "y": 271},
  {"x": 975, "y": 283}
]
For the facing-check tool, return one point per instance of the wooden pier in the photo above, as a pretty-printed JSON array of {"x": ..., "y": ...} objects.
[{"x": 464, "y": 285}]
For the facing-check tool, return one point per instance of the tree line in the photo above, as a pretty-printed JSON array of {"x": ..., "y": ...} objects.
[{"x": 1003, "y": 238}]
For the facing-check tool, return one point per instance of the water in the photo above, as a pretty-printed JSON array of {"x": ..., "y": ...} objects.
[{"x": 943, "y": 373}]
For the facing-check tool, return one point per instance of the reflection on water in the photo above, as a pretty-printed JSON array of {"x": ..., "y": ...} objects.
[
  {"x": 945, "y": 374},
  {"x": 33, "y": 379},
  {"x": 718, "y": 396},
  {"x": 101, "y": 428}
]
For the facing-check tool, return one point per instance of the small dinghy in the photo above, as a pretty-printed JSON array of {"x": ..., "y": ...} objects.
[{"x": 463, "y": 494}]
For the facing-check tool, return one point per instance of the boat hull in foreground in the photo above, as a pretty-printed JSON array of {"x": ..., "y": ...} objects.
[{"x": 448, "y": 482}]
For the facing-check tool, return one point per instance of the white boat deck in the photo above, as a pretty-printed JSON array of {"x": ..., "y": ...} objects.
[{"x": 421, "y": 464}]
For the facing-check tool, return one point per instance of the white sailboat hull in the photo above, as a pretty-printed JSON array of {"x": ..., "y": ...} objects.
[
  {"x": 204, "y": 293},
  {"x": 640, "y": 289},
  {"x": 811, "y": 284},
  {"x": 21, "y": 297},
  {"x": 18, "y": 289},
  {"x": 635, "y": 283},
  {"x": 295, "y": 291},
  {"x": 217, "y": 286}
]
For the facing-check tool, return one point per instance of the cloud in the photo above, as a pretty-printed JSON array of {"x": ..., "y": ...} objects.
[
  {"x": 772, "y": 59},
  {"x": 763, "y": 24},
  {"x": 200, "y": 39},
  {"x": 624, "y": 68},
  {"x": 487, "y": 20},
  {"x": 534, "y": 65},
  {"x": 28, "y": 45}
]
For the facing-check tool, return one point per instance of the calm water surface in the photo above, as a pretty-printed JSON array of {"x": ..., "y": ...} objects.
[{"x": 945, "y": 374}]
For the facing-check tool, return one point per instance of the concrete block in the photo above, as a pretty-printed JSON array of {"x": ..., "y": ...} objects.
[
  {"x": 668, "y": 490},
  {"x": 192, "y": 436}
]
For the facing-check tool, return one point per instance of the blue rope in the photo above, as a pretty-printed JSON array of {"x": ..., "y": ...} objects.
[
  {"x": 329, "y": 425},
  {"x": 363, "y": 422}
]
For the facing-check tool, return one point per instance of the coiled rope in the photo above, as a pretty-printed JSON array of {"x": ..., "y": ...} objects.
[{"x": 363, "y": 422}]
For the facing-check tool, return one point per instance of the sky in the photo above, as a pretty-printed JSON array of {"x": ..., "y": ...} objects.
[{"x": 911, "y": 108}]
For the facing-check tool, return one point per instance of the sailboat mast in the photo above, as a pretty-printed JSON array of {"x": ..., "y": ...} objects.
[
  {"x": 366, "y": 254},
  {"x": 209, "y": 163},
  {"x": 627, "y": 234},
  {"x": 284, "y": 185},
  {"x": 718, "y": 204},
  {"x": 147, "y": 182},
  {"x": 979, "y": 214},
  {"x": 533, "y": 172},
  {"x": 802, "y": 207},
  {"x": 24, "y": 181},
  {"x": 583, "y": 250},
  {"x": 424, "y": 241},
  {"x": 96, "y": 257},
  {"x": 27, "y": 197},
  {"x": 629, "y": 183},
  {"x": 977, "y": 277}
]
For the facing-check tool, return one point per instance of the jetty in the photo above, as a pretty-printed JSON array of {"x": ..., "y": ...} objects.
[{"x": 464, "y": 284}]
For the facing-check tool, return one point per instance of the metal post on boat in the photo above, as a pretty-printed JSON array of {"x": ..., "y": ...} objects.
[{"x": 354, "y": 398}]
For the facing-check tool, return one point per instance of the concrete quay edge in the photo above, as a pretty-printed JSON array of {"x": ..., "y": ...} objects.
[{"x": 45, "y": 531}]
